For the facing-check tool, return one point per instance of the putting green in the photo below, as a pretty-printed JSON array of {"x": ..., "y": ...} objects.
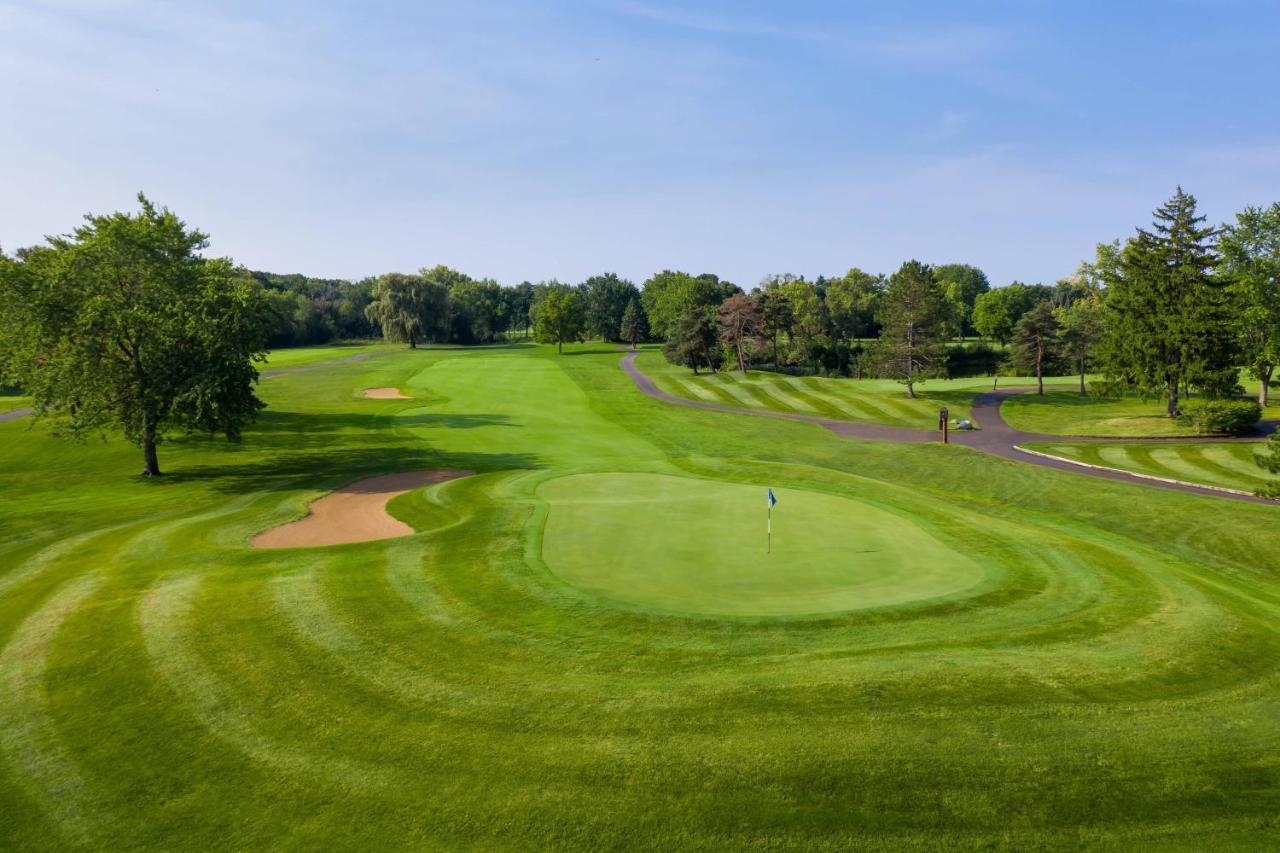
[{"x": 698, "y": 547}]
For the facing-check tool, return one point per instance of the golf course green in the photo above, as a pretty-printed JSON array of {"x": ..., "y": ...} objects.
[
  {"x": 585, "y": 642},
  {"x": 693, "y": 546}
]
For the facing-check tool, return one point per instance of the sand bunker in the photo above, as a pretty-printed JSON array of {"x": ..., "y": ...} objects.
[
  {"x": 354, "y": 513},
  {"x": 385, "y": 394}
]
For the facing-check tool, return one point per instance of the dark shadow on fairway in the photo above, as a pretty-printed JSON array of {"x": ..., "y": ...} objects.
[
  {"x": 335, "y": 468},
  {"x": 596, "y": 350},
  {"x": 285, "y": 431}
]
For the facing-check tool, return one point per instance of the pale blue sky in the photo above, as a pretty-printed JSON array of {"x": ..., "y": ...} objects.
[{"x": 530, "y": 140}]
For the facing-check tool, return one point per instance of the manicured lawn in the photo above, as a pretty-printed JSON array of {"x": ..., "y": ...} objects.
[
  {"x": 298, "y": 356},
  {"x": 1231, "y": 465},
  {"x": 584, "y": 645},
  {"x": 1061, "y": 412},
  {"x": 9, "y": 402},
  {"x": 871, "y": 400}
]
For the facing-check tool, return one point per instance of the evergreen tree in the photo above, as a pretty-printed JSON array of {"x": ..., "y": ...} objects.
[
  {"x": 1269, "y": 460},
  {"x": 1035, "y": 340},
  {"x": 1167, "y": 318},
  {"x": 635, "y": 326},
  {"x": 912, "y": 316},
  {"x": 695, "y": 342},
  {"x": 776, "y": 317}
]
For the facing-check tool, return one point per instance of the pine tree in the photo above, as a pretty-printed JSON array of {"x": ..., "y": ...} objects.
[
  {"x": 913, "y": 316},
  {"x": 1035, "y": 340},
  {"x": 695, "y": 341},
  {"x": 1168, "y": 318},
  {"x": 635, "y": 326}
]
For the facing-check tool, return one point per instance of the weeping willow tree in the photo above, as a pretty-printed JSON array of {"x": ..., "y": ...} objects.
[{"x": 409, "y": 308}]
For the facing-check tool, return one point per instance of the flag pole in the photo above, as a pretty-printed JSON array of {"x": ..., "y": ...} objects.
[{"x": 769, "y": 528}]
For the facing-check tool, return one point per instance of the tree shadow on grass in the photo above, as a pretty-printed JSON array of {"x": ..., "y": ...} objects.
[
  {"x": 331, "y": 469},
  {"x": 283, "y": 431}
]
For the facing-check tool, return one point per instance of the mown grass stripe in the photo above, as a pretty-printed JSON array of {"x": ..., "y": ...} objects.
[
  {"x": 165, "y": 614},
  {"x": 29, "y": 736},
  {"x": 741, "y": 392},
  {"x": 773, "y": 386},
  {"x": 816, "y": 402},
  {"x": 1236, "y": 460},
  {"x": 1186, "y": 465}
]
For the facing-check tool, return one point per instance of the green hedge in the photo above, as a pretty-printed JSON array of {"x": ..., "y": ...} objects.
[{"x": 1223, "y": 416}]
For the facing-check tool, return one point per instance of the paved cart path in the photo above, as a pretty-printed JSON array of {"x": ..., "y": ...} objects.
[{"x": 995, "y": 435}]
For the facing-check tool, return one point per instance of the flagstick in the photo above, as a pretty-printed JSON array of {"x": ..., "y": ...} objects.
[{"x": 769, "y": 536}]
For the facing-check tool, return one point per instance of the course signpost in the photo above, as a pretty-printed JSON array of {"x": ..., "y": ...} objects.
[{"x": 943, "y": 423}]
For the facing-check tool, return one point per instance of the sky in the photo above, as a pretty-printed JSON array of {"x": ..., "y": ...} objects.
[{"x": 536, "y": 140}]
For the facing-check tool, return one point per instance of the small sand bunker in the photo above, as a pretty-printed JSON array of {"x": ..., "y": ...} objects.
[
  {"x": 354, "y": 513},
  {"x": 385, "y": 394}
]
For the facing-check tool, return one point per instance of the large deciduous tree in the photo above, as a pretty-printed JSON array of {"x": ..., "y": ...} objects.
[
  {"x": 409, "y": 308},
  {"x": 1168, "y": 317},
  {"x": 912, "y": 316},
  {"x": 1035, "y": 340},
  {"x": 124, "y": 324},
  {"x": 740, "y": 326},
  {"x": 851, "y": 304},
  {"x": 607, "y": 297},
  {"x": 964, "y": 283},
  {"x": 558, "y": 315},
  {"x": 668, "y": 296},
  {"x": 996, "y": 312},
  {"x": 1251, "y": 260}
]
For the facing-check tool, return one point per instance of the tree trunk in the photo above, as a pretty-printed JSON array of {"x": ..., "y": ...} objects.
[
  {"x": 775, "y": 352},
  {"x": 1264, "y": 374},
  {"x": 152, "y": 461},
  {"x": 412, "y": 343},
  {"x": 1172, "y": 409},
  {"x": 560, "y": 345},
  {"x": 1040, "y": 375},
  {"x": 911, "y": 391},
  {"x": 1083, "y": 392}
]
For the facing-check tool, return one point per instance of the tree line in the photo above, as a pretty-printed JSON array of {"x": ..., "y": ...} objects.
[{"x": 124, "y": 323}]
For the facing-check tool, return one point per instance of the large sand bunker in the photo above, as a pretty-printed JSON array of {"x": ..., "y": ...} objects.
[
  {"x": 385, "y": 394},
  {"x": 354, "y": 513}
]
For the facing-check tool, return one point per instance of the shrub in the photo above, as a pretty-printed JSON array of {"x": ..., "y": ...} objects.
[{"x": 1223, "y": 416}]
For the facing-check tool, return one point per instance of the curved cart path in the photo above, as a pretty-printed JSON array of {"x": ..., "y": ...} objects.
[{"x": 996, "y": 436}]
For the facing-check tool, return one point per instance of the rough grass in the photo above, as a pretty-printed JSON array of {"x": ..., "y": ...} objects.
[
  {"x": 1230, "y": 465},
  {"x": 1114, "y": 683}
]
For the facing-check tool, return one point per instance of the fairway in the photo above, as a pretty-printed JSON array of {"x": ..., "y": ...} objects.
[
  {"x": 697, "y": 546},
  {"x": 585, "y": 645}
]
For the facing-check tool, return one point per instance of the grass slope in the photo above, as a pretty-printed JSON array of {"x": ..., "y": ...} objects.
[
  {"x": 1231, "y": 465},
  {"x": 1113, "y": 681}
]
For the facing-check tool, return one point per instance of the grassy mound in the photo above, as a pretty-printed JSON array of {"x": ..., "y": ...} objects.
[{"x": 698, "y": 546}]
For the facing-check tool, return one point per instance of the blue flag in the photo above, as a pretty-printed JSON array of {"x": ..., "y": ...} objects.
[{"x": 772, "y": 499}]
